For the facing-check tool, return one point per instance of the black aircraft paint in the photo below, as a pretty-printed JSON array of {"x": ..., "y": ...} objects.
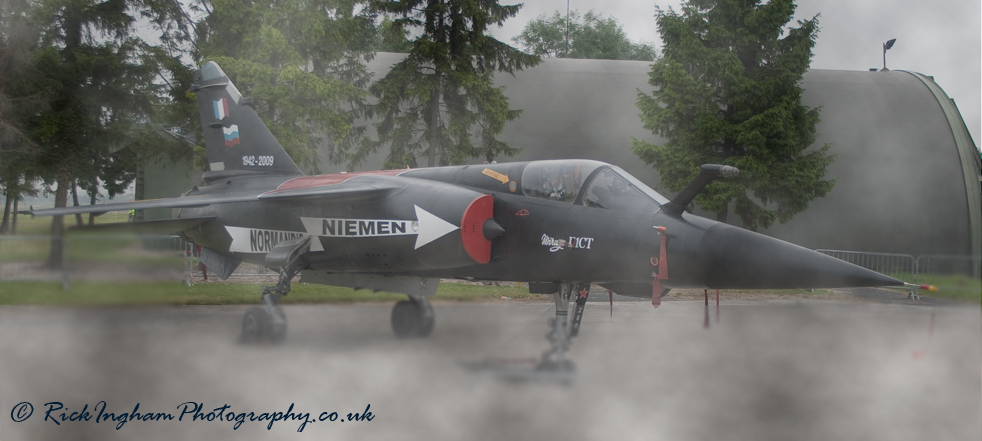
[{"x": 555, "y": 221}]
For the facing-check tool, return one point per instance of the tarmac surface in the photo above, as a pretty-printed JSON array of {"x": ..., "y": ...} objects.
[{"x": 762, "y": 370}]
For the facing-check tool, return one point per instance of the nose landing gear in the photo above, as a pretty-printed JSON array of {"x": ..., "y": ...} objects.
[{"x": 554, "y": 360}]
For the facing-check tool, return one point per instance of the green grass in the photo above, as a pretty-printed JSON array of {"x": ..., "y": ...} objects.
[
  {"x": 108, "y": 248},
  {"x": 171, "y": 293},
  {"x": 957, "y": 287},
  {"x": 21, "y": 249}
]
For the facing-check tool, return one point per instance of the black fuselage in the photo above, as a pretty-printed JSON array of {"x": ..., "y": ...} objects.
[
  {"x": 599, "y": 244},
  {"x": 548, "y": 237}
]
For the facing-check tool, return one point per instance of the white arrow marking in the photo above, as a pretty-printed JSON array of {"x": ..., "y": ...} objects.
[{"x": 431, "y": 227}]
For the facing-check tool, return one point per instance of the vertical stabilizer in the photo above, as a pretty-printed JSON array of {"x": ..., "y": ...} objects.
[{"x": 235, "y": 137}]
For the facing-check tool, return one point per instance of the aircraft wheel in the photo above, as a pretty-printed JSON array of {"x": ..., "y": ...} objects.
[
  {"x": 425, "y": 315},
  {"x": 405, "y": 319},
  {"x": 277, "y": 325},
  {"x": 255, "y": 325},
  {"x": 263, "y": 323},
  {"x": 412, "y": 318}
]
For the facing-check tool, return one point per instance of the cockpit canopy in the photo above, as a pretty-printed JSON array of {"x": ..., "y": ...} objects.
[{"x": 590, "y": 183}]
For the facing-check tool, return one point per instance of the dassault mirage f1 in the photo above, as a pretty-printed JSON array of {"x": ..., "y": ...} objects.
[{"x": 560, "y": 225}]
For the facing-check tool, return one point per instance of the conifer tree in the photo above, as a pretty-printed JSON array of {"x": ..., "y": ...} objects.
[
  {"x": 18, "y": 41},
  {"x": 440, "y": 99},
  {"x": 99, "y": 90},
  {"x": 727, "y": 90},
  {"x": 303, "y": 61}
]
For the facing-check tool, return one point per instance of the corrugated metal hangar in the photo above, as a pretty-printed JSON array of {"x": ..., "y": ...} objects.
[{"x": 908, "y": 172}]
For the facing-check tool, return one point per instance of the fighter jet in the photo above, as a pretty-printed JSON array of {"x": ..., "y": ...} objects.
[{"x": 560, "y": 225}]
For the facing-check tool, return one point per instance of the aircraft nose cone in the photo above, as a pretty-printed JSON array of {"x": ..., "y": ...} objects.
[{"x": 735, "y": 258}]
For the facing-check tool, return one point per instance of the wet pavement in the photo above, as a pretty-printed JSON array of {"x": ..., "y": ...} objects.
[{"x": 762, "y": 370}]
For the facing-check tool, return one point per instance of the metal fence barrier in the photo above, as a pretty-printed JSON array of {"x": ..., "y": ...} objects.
[
  {"x": 960, "y": 276},
  {"x": 902, "y": 267},
  {"x": 259, "y": 272},
  {"x": 946, "y": 265}
]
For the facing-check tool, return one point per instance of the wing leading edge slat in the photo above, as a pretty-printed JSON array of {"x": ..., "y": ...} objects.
[
  {"x": 344, "y": 191},
  {"x": 339, "y": 192},
  {"x": 186, "y": 201},
  {"x": 163, "y": 226}
]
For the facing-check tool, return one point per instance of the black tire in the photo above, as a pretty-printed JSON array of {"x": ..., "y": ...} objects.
[
  {"x": 426, "y": 319},
  {"x": 255, "y": 325},
  {"x": 277, "y": 326},
  {"x": 405, "y": 319}
]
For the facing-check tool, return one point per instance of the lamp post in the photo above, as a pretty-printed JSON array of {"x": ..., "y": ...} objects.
[
  {"x": 567, "y": 29},
  {"x": 886, "y": 47}
]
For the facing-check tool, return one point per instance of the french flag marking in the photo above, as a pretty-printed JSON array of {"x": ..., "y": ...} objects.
[{"x": 221, "y": 108}]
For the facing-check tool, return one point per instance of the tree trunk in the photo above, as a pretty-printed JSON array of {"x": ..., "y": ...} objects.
[
  {"x": 434, "y": 105},
  {"x": 5, "y": 225},
  {"x": 95, "y": 184},
  {"x": 434, "y": 127},
  {"x": 78, "y": 217},
  {"x": 13, "y": 224},
  {"x": 55, "y": 256}
]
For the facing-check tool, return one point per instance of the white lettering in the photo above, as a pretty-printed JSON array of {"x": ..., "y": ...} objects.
[
  {"x": 255, "y": 240},
  {"x": 581, "y": 242},
  {"x": 573, "y": 242},
  {"x": 427, "y": 227},
  {"x": 261, "y": 161},
  {"x": 553, "y": 243},
  {"x": 327, "y": 227}
]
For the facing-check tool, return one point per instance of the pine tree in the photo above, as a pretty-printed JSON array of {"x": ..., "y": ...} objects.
[
  {"x": 727, "y": 90},
  {"x": 99, "y": 88},
  {"x": 441, "y": 97},
  {"x": 303, "y": 61},
  {"x": 18, "y": 41}
]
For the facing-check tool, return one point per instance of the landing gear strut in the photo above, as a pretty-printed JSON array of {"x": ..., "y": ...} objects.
[
  {"x": 412, "y": 318},
  {"x": 555, "y": 358},
  {"x": 268, "y": 322},
  {"x": 553, "y": 366},
  {"x": 574, "y": 328}
]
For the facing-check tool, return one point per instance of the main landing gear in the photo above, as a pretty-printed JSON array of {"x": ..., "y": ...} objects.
[
  {"x": 267, "y": 322},
  {"x": 412, "y": 318}
]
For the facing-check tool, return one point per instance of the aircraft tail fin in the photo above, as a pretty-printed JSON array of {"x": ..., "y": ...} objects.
[{"x": 235, "y": 136}]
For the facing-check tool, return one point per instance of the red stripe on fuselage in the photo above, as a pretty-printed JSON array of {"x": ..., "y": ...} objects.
[{"x": 337, "y": 178}]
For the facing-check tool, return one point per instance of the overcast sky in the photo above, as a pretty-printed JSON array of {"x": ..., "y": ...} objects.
[{"x": 939, "y": 38}]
